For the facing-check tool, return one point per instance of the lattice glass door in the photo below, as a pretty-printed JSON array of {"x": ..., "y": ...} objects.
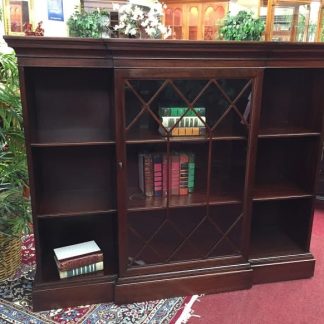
[{"x": 186, "y": 148}]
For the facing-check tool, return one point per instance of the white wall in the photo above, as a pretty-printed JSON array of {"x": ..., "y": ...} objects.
[{"x": 52, "y": 27}]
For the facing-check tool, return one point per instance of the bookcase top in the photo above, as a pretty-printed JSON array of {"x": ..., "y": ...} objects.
[{"x": 74, "y": 52}]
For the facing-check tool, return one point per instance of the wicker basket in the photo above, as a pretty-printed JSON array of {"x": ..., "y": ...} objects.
[{"x": 10, "y": 255}]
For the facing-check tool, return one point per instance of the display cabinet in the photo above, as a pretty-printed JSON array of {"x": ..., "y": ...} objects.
[
  {"x": 286, "y": 20},
  {"x": 195, "y": 20},
  {"x": 176, "y": 208},
  {"x": 320, "y": 24}
]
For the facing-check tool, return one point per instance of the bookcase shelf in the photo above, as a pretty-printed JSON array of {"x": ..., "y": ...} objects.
[
  {"x": 280, "y": 227},
  {"x": 74, "y": 179},
  {"x": 57, "y": 100},
  {"x": 192, "y": 165},
  {"x": 70, "y": 229}
]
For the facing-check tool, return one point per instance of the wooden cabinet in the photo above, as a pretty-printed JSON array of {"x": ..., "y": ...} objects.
[
  {"x": 320, "y": 24},
  {"x": 92, "y": 106},
  {"x": 287, "y": 20},
  {"x": 195, "y": 20}
]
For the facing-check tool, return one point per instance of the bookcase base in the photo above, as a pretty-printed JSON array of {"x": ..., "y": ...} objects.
[
  {"x": 282, "y": 269},
  {"x": 207, "y": 283},
  {"x": 82, "y": 293}
]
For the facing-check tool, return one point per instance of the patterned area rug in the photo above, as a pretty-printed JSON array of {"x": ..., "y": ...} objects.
[{"x": 15, "y": 303}]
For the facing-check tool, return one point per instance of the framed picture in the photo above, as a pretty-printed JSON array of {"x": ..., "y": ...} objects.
[
  {"x": 55, "y": 10},
  {"x": 16, "y": 15}
]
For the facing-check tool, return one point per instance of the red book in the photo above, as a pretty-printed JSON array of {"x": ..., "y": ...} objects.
[
  {"x": 77, "y": 262},
  {"x": 165, "y": 175},
  {"x": 174, "y": 174},
  {"x": 157, "y": 174}
]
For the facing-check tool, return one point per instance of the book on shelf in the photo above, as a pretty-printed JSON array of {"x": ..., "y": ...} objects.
[
  {"x": 90, "y": 268},
  {"x": 145, "y": 169},
  {"x": 78, "y": 256},
  {"x": 181, "y": 121},
  {"x": 157, "y": 174},
  {"x": 191, "y": 172},
  {"x": 183, "y": 181},
  {"x": 174, "y": 174}
]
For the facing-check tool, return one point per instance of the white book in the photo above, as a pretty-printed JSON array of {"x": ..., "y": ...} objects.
[{"x": 75, "y": 250}]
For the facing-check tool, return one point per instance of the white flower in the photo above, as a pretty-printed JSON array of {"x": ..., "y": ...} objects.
[{"x": 116, "y": 6}]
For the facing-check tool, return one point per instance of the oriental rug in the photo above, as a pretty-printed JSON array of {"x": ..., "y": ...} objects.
[{"x": 15, "y": 303}]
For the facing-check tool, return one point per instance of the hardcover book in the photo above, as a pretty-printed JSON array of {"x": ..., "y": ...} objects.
[
  {"x": 90, "y": 268},
  {"x": 145, "y": 169},
  {"x": 77, "y": 255},
  {"x": 180, "y": 121}
]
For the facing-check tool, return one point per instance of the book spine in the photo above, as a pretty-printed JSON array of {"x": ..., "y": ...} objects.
[
  {"x": 81, "y": 270},
  {"x": 141, "y": 172},
  {"x": 183, "y": 186},
  {"x": 165, "y": 175},
  {"x": 191, "y": 172},
  {"x": 157, "y": 174},
  {"x": 148, "y": 175},
  {"x": 174, "y": 175},
  {"x": 179, "y": 111},
  {"x": 187, "y": 126},
  {"x": 77, "y": 262},
  {"x": 145, "y": 173}
]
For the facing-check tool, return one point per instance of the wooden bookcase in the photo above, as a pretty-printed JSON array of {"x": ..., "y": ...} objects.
[{"x": 91, "y": 106}]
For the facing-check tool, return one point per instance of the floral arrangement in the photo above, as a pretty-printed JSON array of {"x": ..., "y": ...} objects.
[{"x": 140, "y": 21}]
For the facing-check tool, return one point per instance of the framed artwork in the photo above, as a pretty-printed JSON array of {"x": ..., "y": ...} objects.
[
  {"x": 55, "y": 10},
  {"x": 17, "y": 13}
]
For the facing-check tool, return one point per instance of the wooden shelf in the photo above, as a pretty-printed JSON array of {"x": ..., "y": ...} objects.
[
  {"x": 138, "y": 201},
  {"x": 273, "y": 242},
  {"x": 279, "y": 191},
  {"x": 71, "y": 144},
  {"x": 75, "y": 135},
  {"x": 287, "y": 132},
  {"x": 74, "y": 202}
]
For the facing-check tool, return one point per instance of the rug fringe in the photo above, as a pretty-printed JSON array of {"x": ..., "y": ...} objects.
[{"x": 187, "y": 311}]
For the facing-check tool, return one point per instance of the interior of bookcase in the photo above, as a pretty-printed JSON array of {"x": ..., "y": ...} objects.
[
  {"x": 285, "y": 166},
  {"x": 227, "y": 104},
  {"x": 291, "y": 101},
  {"x": 70, "y": 105},
  {"x": 280, "y": 227},
  {"x": 63, "y": 231},
  {"x": 183, "y": 234},
  {"x": 74, "y": 179}
]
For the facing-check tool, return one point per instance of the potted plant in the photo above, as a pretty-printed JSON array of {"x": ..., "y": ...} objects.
[
  {"x": 242, "y": 27},
  {"x": 14, "y": 204},
  {"x": 93, "y": 24},
  {"x": 138, "y": 21}
]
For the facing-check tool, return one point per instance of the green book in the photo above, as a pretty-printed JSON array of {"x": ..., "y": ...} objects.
[
  {"x": 179, "y": 111},
  {"x": 191, "y": 172}
]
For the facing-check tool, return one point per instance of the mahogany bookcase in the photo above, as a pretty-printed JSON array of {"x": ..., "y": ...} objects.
[{"x": 91, "y": 106}]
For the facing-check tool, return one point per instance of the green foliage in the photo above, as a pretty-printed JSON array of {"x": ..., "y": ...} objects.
[
  {"x": 88, "y": 24},
  {"x": 242, "y": 27},
  {"x": 14, "y": 208}
]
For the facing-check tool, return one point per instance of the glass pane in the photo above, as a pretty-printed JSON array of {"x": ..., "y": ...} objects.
[{"x": 184, "y": 234}]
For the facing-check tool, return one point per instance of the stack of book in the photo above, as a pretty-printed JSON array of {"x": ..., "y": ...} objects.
[
  {"x": 189, "y": 125},
  {"x": 158, "y": 175},
  {"x": 78, "y": 259}
]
